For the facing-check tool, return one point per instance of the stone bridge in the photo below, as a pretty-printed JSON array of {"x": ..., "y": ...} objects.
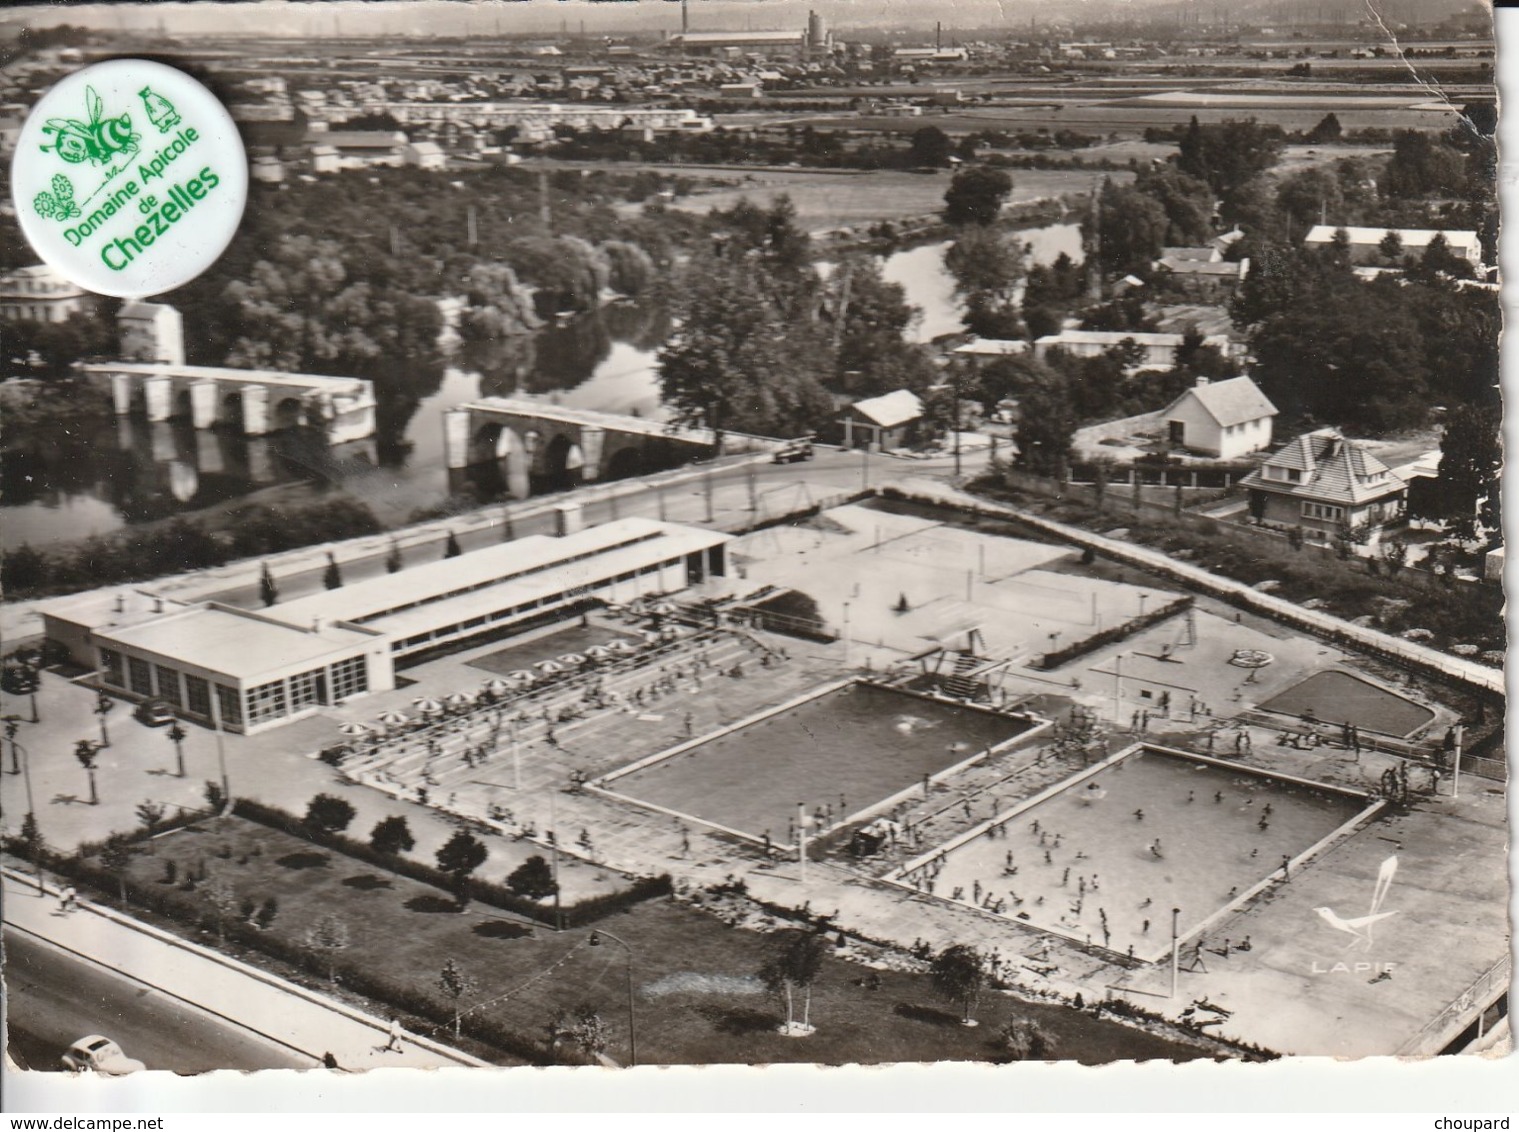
[
  {"x": 253, "y": 402},
  {"x": 534, "y": 442}
]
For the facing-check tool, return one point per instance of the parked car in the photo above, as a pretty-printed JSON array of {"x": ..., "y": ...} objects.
[
  {"x": 791, "y": 453},
  {"x": 154, "y": 713},
  {"x": 100, "y": 1055}
]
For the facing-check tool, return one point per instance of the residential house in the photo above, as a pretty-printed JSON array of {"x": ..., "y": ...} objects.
[
  {"x": 362, "y": 149},
  {"x": 880, "y": 423},
  {"x": 424, "y": 155},
  {"x": 40, "y": 294},
  {"x": 1321, "y": 482},
  {"x": 1204, "y": 279},
  {"x": 267, "y": 169},
  {"x": 325, "y": 159},
  {"x": 1223, "y": 419}
]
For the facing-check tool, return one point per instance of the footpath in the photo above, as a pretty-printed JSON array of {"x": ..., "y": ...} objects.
[{"x": 265, "y": 1005}]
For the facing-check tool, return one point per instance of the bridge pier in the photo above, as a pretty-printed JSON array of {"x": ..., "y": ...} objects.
[
  {"x": 592, "y": 444},
  {"x": 255, "y": 410},
  {"x": 456, "y": 438},
  {"x": 158, "y": 395},
  {"x": 121, "y": 393},
  {"x": 208, "y": 452},
  {"x": 203, "y": 406}
]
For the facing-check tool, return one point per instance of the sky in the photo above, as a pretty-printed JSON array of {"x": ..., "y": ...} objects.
[{"x": 449, "y": 17}]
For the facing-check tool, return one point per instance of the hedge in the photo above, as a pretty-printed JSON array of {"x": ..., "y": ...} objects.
[
  {"x": 580, "y": 914},
  {"x": 1116, "y": 633}
]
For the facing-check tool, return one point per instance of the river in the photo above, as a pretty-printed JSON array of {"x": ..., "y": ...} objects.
[{"x": 66, "y": 482}]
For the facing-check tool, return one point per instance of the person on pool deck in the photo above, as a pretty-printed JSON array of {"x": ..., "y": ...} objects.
[{"x": 1139, "y": 815}]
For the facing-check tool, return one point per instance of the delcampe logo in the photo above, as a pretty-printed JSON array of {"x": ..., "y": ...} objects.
[{"x": 1360, "y": 928}]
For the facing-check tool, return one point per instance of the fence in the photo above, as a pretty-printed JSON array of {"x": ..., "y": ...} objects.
[
  {"x": 1444, "y": 1027},
  {"x": 1356, "y": 637}
]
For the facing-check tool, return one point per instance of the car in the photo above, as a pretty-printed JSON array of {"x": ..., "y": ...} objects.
[
  {"x": 154, "y": 713},
  {"x": 99, "y": 1055},
  {"x": 791, "y": 453}
]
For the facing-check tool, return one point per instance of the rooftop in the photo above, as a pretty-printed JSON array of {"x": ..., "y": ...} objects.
[
  {"x": 236, "y": 642},
  {"x": 993, "y": 347},
  {"x": 890, "y": 409},
  {"x": 1335, "y": 470},
  {"x": 1411, "y": 237},
  {"x": 450, "y": 578},
  {"x": 1230, "y": 402}
]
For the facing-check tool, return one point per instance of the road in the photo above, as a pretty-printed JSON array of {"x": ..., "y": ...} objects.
[{"x": 54, "y": 997}]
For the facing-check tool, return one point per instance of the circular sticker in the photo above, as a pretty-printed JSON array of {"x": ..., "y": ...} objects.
[{"x": 129, "y": 178}]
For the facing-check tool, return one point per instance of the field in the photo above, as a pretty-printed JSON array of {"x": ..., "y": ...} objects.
[
  {"x": 850, "y": 748},
  {"x": 1085, "y": 861},
  {"x": 1340, "y": 698},
  {"x": 697, "y": 999},
  {"x": 832, "y": 200}
]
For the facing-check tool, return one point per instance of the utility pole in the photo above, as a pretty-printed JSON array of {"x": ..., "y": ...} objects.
[
  {"x": 1455, "y": 781},
  {"x": 706, "y": 483},
  {"x": 801, "y": 840},
  {"x": 954, "y": 388},
  {"x": 1175, "y": 951}
]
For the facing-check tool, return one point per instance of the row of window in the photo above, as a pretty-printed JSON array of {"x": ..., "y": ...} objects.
[
  {"x": 1323, "y": 511},
  {"x": 273, "y": 700},
  {"x": 448, "y": 632}
]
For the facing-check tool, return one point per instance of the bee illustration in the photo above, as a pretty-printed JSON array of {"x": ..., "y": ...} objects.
[{"x": 96, "y": 141}]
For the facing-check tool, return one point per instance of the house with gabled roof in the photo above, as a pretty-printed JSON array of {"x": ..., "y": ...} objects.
[
  {"x": 1321, "y": 482},
  {"x": 1224, "y": 419},
  {"x": 880, "y": 423}
]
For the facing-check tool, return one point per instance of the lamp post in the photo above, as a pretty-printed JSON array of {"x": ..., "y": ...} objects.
[
  {"x": 176, "y": 735},
  {"x": 104, "y": 705},
  {"x": 86, "y": 750},
  {"x": 1455, "y": 780},
  {"x": 801, "y": 840},
  {"x": 595, "y": 941}
]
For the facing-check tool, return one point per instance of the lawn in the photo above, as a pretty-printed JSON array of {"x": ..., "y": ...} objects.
[{"x": 696, "y": 998}]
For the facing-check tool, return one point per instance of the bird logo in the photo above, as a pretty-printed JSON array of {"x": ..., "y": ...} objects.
[{"x": 1360, "y": 926}]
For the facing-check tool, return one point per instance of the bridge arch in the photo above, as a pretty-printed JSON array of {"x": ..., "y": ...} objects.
[
  {"x": 289, "y": 413},
  {"x": 182, "y": 404},
  {"x": 624, "y": 463},
  {"x": 563, "y": 462},
  {"x": 499, "y": 460},
  {"x": 232, "y": 409}
]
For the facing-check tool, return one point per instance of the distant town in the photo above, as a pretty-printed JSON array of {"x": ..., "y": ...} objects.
[{"x": 689, "y": 544}]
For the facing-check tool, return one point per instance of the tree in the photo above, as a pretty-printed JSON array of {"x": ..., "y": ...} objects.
[
  {"x": 1328, "y": 130},
  {"x": 1187, "y": 202},
  {"x": 451, "y": 547},
  {"x": 223, "y": 900},
  {"x": 1422, "y": 166},
  {"x": 393, "y": 559},
  {"x": 454, "y": 983},
  {"x": 267, "y": 590},
  {"x": 116, "y": 858},
  {"x": 151, "y": 815},
  {"x": 1131, "y": 229},
  {"x": 327, "y": 813},
  {"x": 391, "y": 836},
  {"x": 104, "y": 706},
  {"x": 987, "y": 269},
  {"x": 959, "y": 974},
  {"x": 176, "y": 735},
  {"x": 795, "y": 958},
  {"x": 329, "y": 935},
  {"x": 533, "y": 878},
  {"x": 31, "y": 837},
  {"x": 216, "y": 797},
  {"x": 1390, "y": 247},
  {"x": 871, "y": 322},
  {"x": 1026, "y": 1040},
  {"x": 1471, "y": 469},
  {"x": 976, "y": 196},
  {"x": 1228, "y": 154},
  {"x": 86, "y": 751},
  {"x": 1046, "y": 425},
  {"x": 583, "y": 1029},
  {"x": 22, "y": 678},
  {"x": 459, "y": 856},
  {"x": 930, "y": 147},
  {"x": 332, "y": 577},
  {"x": 747, "y": 355}
]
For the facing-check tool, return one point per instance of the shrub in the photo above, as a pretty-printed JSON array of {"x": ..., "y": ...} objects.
[{"x": 328, "y": 813}]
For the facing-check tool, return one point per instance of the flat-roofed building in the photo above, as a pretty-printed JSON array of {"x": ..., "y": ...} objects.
[
  {"x": 41, "y": 294},
  {"x": 251, "y": 670},
  {"x": 1154, "y": 350},
  {"x": 1366, "y": 243}
]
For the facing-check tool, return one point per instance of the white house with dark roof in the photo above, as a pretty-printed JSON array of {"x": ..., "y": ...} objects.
[
  {"x": 1225, "y": 419},
  {"x": 887, "y": 421},
  {"x": 1320, "y": 482}
]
